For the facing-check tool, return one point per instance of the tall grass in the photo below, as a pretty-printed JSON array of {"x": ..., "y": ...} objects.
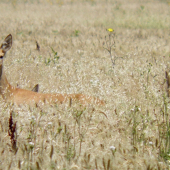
[{"x": 132, "y": 130}]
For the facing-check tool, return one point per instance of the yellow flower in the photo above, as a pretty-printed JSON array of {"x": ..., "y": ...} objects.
[{"x": 110, "y": 30}]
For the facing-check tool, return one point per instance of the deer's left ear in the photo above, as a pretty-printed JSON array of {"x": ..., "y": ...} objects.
[{"x": 7, "y": 43}]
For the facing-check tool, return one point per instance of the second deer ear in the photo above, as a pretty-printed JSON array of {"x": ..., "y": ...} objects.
[
  {"x": 36, "y": 88},
  {"x": 7, "y": 43}
]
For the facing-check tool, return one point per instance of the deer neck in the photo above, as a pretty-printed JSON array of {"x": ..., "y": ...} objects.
[{"x": 5, "y": 87}]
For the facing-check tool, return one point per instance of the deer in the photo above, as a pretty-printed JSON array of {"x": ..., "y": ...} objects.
[{"x": 20, "y": 96}]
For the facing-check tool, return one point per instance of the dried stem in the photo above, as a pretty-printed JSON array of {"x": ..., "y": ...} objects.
[
  {"x": 109, "y": 45},
  {"x": 13, "y": 133}
]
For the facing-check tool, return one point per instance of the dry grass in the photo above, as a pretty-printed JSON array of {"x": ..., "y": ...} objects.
[{"x": 135, "y": 119}]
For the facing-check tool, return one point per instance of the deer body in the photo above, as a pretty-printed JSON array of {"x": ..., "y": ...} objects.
[{"x": 21, "y": 96}]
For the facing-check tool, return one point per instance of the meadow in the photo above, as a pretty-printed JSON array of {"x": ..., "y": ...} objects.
[{"x": 78, "y": 54}]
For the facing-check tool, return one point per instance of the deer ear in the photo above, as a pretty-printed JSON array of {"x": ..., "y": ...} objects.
[
  {"x": 36, "y": 88},
  {"x": 7, "y": 43}
]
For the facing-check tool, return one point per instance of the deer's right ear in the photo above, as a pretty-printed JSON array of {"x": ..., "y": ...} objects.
[
  {"x": 7, "y": 43},
  {"x": 36, "y": 88}
]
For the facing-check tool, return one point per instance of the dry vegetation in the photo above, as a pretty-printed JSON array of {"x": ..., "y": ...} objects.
[{"x": 132, "y": 131}]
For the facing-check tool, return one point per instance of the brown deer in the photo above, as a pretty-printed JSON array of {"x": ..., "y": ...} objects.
[{"x": 21, "y": 96}]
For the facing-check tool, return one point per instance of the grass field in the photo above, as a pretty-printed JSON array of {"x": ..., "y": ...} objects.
[{"x": 132, "y": 131}]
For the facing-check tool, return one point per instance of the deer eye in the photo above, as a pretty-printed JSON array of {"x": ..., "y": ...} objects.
[{"x": 1, "y": 56}]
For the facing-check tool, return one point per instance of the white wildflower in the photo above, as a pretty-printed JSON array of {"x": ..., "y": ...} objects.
[
  {"x": 33, "y": 117},
  {"x": 150, "y": 143},
  {"x": 50, "y": 123},
  {"x": 113, "y": 148},
  {"x": 31, "y": 145}
]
